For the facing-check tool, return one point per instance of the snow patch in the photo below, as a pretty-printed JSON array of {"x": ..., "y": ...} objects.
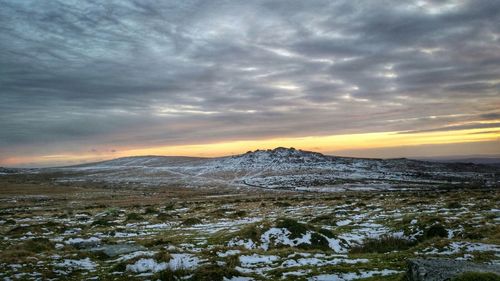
[
  {"x": 250, "y": 261},
  {"x": 353, "y": 275},
  {"x": 85, "y": 264},
  {"x": 147, "y": 265}
]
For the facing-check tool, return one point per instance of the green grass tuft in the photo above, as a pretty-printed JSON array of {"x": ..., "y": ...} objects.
[
  {"x": 213, "y": 272},
  {"x": 149, "y": 211},
  {"x": 191, "y": 221},
  {"x": 454, "y": 205},
  {"x": 296, "y": 229},
  {"x": 324, "y": 219},
  {"x": 134, "y": 217},
  {"x": 383, "y": 244},
  {"x": 435, "y": 230}
]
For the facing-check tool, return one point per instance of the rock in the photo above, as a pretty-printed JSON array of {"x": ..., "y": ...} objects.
[
  {"x": 118, "y": 249},
  {"x": 443, "y": 269},
  {"x": 81, "y": 243}
]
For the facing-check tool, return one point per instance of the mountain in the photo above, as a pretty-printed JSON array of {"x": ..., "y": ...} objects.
[
  {"x": 280, "y": 168},
  {"x": 6, "y": 171},
  {"x": 476, "y": 159}
]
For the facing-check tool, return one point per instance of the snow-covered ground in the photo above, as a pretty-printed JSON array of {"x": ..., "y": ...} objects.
[
  {"x": 80, "y": 231},
  {"x": 280, "y": 168}
]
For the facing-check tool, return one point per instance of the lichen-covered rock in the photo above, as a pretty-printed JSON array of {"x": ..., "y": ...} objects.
[{"x": 442, "y": 269}]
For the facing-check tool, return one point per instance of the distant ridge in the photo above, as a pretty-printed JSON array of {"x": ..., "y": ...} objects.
[
  {"x": 280, "y": 168},
  {"x": 475, "y": 159}
]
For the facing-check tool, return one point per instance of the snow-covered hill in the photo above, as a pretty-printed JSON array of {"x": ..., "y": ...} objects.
[{"x": 281, "y": 168}]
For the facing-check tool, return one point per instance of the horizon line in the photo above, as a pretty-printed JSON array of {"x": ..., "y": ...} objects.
[{"x": 418, "y": 158}]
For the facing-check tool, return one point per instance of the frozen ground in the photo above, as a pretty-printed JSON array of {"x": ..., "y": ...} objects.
[{"x": 59, "y": 232}]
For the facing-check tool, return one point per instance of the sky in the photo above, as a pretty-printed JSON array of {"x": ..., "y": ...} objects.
[{"x": 86, "y": 80}]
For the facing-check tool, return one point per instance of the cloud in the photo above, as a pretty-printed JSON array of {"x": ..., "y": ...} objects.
[
  {"x": 127, "y": 73},
  {"x": 457, "y": 127}
]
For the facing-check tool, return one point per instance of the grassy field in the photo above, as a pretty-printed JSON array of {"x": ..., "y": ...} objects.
[{"x": 93, "y": 232}]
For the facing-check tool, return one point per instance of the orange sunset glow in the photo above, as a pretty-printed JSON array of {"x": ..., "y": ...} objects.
[
  {"x": 413, "y": 79},
  {"x": 336, "y": 144},
  {"x": 263, "y": 140}
]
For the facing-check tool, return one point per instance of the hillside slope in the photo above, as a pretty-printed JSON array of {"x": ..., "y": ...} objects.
[{"x": 281, "y": 168}]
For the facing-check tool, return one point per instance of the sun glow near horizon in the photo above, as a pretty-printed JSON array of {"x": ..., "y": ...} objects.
[{"x": 325, "y": 144}]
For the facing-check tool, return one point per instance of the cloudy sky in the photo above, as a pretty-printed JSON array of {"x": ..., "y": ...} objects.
[{"x": 82, "y": 80}]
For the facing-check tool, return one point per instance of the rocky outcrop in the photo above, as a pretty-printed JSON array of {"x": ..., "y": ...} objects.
[
  {"x": 118, "y": 249},
  {"x": 442, "y": 269}
]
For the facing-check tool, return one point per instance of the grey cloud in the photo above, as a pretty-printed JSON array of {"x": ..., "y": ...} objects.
[
  {"x": 491, "y": 116},
  {"x": 84, "y": 73},
  {"x": 457, "y": 127}
]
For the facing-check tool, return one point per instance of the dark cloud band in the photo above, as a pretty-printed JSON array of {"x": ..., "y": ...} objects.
[{"x": 76, "y": 73}]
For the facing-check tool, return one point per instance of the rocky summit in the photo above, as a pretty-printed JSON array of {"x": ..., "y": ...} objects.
[{"x": 279, "y": 168}]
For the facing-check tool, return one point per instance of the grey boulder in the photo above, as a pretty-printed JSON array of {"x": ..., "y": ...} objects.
[{"x": 443, "y": 269}]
